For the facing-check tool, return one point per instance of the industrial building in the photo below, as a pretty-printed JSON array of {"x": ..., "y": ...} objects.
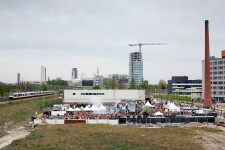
[
  {"x": 182, "y": 86},
  {"x": 136, "y": 67},
  {"x": 217, "y": 76},
  {"x": 102, "y": 96}
]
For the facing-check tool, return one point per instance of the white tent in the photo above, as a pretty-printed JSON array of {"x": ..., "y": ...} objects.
[
  {"x": 148, "y": 104},
  {"x": 77, "y": 109},
  {"x": 172, "y": 107},
  {"x": 87, "y": 109},
  {"x": 156, "y": 101},
  {"x": 158, "y": 113},
  {"x": 70, "y": 109},
  {"x": 94, "y": 108},
  {"x": 102, "y": 108}
]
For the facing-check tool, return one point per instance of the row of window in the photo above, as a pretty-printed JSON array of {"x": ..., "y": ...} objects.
[
  {"x": 217, "y": 72},
  {"x": 217, "y": 77},
  {"x": 90, "y": 93},
  {"x": 217, "y": 93},
  {"x": 219, "y": 62},
  {"x": 215, "y": 68},
  {"x": 219, "y": 82}
]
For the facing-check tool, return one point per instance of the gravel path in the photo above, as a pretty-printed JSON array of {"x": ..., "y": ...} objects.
[{"x": 14, "y": 134}]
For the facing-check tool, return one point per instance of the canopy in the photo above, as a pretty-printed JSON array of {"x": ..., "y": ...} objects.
[
  {"x": 158, "y": 113},
  {"x": 156, "y": 101},
  {"x": 87, "y": 108},
  {"x": 149, "y": 105},
  {"x": 172, "y": 107},
  {"x": 102, "y": 108},
  {"x": 70, "y": 109},
  {"x": 94, "y": 108},
  {"x": 77, "y": 109}
]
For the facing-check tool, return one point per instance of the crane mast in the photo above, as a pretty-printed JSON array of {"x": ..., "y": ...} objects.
[{"x": 140, "y": 44}]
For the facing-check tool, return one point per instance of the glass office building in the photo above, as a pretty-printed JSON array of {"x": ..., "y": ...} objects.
[{"x": 136, "y": 67}]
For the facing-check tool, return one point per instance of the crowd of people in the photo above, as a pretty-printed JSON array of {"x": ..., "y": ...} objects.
[{"x": 124, "y": 109}]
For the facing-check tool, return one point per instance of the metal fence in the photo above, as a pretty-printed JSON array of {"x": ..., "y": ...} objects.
[{"x": 176, "y": 119}]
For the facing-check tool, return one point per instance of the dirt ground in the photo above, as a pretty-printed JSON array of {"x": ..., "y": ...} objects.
[{"x": 212, "y": 141}]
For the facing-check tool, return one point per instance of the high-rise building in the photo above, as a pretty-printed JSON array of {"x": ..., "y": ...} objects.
[
  {"x": 18, "y": 78},
  {"x": 217, "y": 77},
  {"x": 136, "y": 67},
  {"x": 74, "y": 74},
  {"x": 43, "y": 74}
]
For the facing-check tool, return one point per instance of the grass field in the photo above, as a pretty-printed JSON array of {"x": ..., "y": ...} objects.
[
  {"x": 20, "y": 112},
  {"x": 107, "y": 137}
]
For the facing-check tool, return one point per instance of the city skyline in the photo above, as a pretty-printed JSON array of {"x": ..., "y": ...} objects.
[{"x": 90, "y": 34}]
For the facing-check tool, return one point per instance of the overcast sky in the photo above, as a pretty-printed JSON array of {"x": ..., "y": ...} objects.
[{"x": 87, "y": 34}]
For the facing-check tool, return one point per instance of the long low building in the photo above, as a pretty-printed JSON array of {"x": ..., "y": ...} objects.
[{"x": 102, "y": 96}]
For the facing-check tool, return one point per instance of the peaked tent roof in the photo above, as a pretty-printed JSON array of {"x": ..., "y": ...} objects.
[
  {"x": 148, "y": 104},
  {"x": 158, "y": 113}
]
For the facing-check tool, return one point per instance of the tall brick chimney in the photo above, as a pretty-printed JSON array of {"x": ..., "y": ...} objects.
[{"x": 207, "y": 96}]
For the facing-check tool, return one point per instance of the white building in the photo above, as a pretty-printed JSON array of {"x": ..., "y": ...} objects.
[
  {"x": 43, "y": 74},
  {"x": 102, "y": 96}
]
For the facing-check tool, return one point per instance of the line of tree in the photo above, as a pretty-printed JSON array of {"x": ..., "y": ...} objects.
[
  {"x": 161, "y": 85},
  {"x": 109, "y": 83},
  {"x": 173, "y": 97}
]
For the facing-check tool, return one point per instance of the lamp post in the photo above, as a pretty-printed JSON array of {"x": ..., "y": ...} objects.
[{"x": 214, "y": 101}]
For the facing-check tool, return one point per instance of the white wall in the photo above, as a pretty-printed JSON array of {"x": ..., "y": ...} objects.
[
  {"x": 109, "y": 96},
  {"x": 55, "y": 121},
  {"x": 102, "y": 121},
  {"x": 55, "y": 113}
]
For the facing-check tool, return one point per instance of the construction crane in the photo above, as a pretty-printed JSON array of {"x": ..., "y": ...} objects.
[{"x": 140, "y": 44}]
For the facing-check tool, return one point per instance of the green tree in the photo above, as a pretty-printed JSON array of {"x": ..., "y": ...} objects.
[
  {"x": 109, "y": 83},
  {"x": 162, "y": 84},
  {"x": 132, "y": 84},
  {"x": 44, "y": 87},
  {"x": 2, "y": 89},
  {"x": 96, "y": 87}
]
